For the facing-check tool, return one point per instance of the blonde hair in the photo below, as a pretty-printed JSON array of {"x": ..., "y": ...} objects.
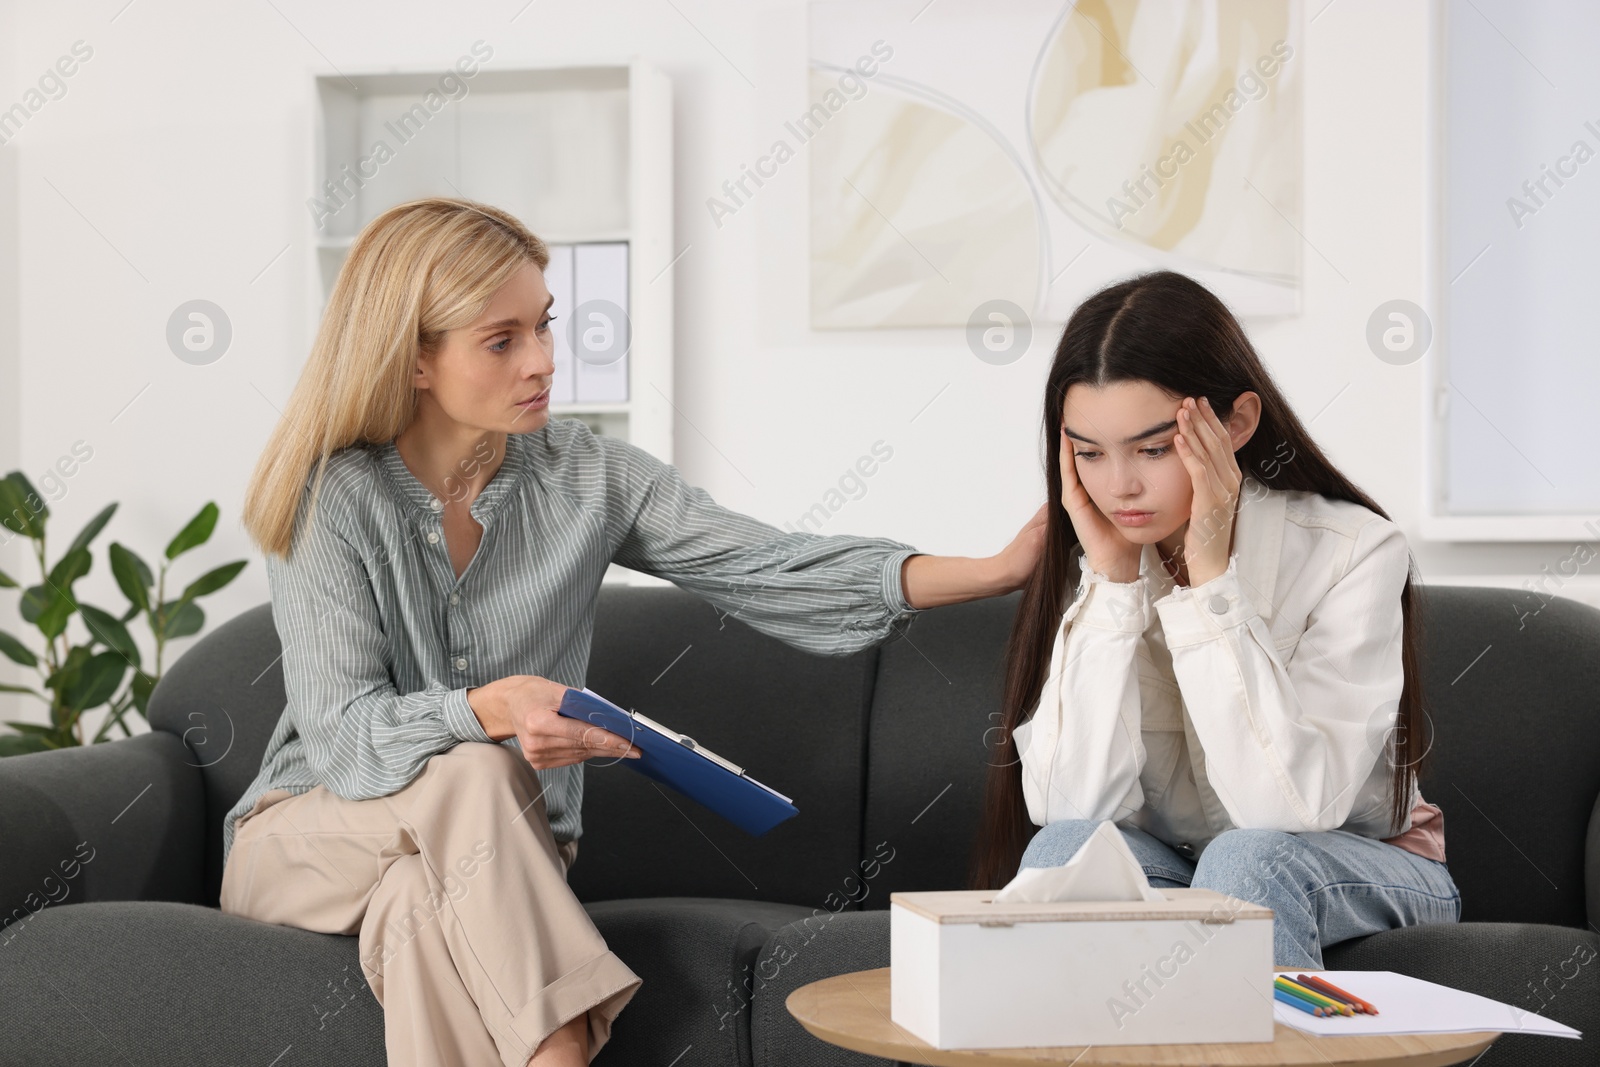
[{"x": 417, "y": 270}]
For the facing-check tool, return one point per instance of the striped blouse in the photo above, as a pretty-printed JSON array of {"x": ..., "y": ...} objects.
[{"x": 381, "y": 640}]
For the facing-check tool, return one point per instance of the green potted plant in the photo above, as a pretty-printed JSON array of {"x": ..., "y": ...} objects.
[{"x": 78, "y": 677}]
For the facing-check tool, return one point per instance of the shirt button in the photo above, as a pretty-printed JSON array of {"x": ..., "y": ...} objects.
[
  {"x": 435, "y": 504},
  {"x": 433, "y": 537},
  {"x": 455, "y": 598},
  {"x": 461, "y": 663},
  {"x": 1219, "y": 604}
]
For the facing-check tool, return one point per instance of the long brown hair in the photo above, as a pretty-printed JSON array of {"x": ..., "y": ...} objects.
[{"x": 1168, "y": 330}]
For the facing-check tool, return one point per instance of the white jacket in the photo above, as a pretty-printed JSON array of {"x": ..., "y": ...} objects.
[{"x": 1263, "y": 698}]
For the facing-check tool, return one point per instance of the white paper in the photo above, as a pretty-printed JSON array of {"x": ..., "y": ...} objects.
[
  {"x": 1103, "y": 868},
  {"x": 1409, "y": 1005}
]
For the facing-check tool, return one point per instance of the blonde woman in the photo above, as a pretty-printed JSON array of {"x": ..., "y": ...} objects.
[{"x": 434, "y": 545}]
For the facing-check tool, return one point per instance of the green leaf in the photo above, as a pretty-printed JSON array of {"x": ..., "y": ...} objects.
[
  {"x": 213, "y": 580},
  {"x": 15, "y": 514},
  {"x": 198, "y": 532},
  {"x": 96, "y": 682},
  {"x": 143, "y": 685},
  {"x": 6, "y": 581},
  {"x": 132, "y": 576},
  {"x": 32, "y": 728},
  {"x": 69, "y": 568},
  {"x": 93, "y": 528},
  {"x": 34, "y": 600},
  {"x": 109, "y": 631},
  {"x": 53, "y": 620},
  {"x": 22, "y": 744},
  {"x": 17, "y": 651},
  {"x": 182, "y": 618},
  {"x": 62, "y": 676},
  {"x": 20, "y": 689}
]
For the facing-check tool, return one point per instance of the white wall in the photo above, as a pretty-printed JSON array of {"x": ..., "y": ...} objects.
[
  {"x": 12, "y": 554},
  {"x": 176, "y": 166}
]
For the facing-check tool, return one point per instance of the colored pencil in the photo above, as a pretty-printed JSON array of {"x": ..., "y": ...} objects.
[
  {"x": 1323, "y": 988},
  {"x": 1315, "y": 997},
  {"x": 1294, "y": 1001},
  {"x": 1304, "y": 998},
  {"x": 1316, "y": 983}
]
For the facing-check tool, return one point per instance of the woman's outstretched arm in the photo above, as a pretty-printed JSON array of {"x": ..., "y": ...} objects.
[{"x": 830, "y": 594}]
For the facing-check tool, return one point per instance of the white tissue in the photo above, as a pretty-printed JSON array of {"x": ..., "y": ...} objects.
[{"x": 1103, "y": 868}]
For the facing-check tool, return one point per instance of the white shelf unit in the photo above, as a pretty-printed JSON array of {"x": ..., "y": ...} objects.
[{"x": 579, "y": 154}]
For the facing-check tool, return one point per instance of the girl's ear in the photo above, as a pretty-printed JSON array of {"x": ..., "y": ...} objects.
[{"x": 1246, "y": 416}]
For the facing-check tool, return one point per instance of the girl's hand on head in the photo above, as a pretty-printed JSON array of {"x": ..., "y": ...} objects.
[
  {"x": 1108, "y": 552},
  {"x": 1206, "y": 449}
]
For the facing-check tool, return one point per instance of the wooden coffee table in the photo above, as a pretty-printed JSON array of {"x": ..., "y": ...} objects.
[{"x": 852, "y": 1011}]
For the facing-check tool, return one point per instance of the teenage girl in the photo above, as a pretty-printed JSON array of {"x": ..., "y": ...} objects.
[{"x": 1218, "y": 649}]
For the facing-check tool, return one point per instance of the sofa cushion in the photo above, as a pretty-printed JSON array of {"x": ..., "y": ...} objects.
[
  {"x": 817, "y": 947},
  {"x": 795, "y": 721},
  {"x": 178, "y": 984},
  {"x": 697, "y": 957}
]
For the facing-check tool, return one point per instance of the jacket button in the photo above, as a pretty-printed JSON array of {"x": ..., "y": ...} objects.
[{"x": 1219, "y": 604}]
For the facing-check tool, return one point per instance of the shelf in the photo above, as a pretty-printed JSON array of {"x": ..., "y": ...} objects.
[{"x": 581, "y": 155}]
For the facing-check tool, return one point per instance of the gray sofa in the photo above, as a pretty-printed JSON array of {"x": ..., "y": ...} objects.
[{"x": 130, "y": 962}]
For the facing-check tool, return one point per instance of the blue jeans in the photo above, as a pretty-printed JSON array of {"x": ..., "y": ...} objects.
[{"x": 1323, "y": 887}]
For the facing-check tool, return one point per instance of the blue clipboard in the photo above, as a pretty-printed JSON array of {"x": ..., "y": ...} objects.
[{"x": 677, "y": 761}]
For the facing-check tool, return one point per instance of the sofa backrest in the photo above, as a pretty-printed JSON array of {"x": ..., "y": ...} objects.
[
  {"x": 793, "y": 720},
  {"x": 884, "y": 750},
  {"x": 1512, "y": 688}
]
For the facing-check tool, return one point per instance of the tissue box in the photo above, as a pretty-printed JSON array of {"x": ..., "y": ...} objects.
[{"x": 966, "y": 972}]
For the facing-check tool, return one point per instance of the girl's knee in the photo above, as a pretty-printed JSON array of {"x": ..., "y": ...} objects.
[
  {"x": 1056, "y": 842},
  {"x": 1240, "y": 858}
]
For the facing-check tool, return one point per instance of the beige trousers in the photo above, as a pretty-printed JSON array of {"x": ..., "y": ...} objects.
[{"x": 469, "y": 935}]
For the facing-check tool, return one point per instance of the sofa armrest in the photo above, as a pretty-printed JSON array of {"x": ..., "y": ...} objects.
[
  {"x": 121, "y": 820},
  {"x": 1591, "y": 867}
]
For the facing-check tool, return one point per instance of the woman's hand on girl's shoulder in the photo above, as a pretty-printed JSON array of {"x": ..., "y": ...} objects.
[{"x": 1016, "y": 562}]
